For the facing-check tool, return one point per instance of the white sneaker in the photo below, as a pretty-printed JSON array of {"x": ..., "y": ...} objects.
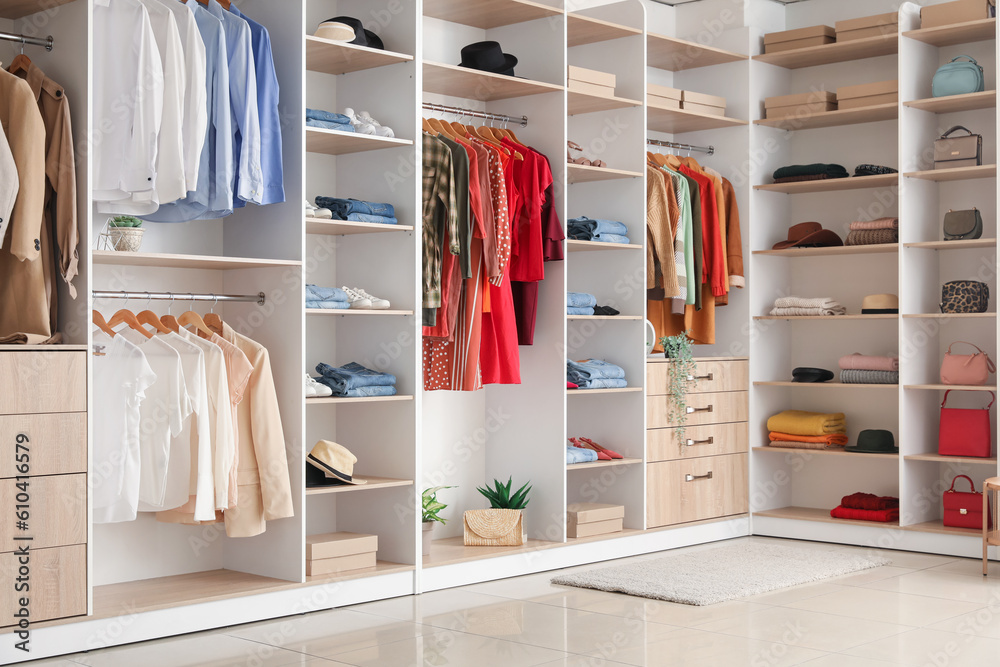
[
  {"x": 319, "y": 213},
  {"x": 322, "y": 391},
  {"x": 358, "y": 302},
  {"x": 380, "y": 130},
  {"x": 360, "y": 126},
  {"x": 377, "y": 303},
  {"x": 310, "y": 389}
]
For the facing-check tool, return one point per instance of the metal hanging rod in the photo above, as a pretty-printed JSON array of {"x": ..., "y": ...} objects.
[
  {"x": 458, "y": 111},
  {"x": 258, "y": 298},
  {"x": 684, "y": 147},
  {"x": 47, "y": 42}
]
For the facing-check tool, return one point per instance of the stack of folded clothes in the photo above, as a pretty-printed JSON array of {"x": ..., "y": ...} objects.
[
  {"x": 809, "y": 172},
  {"x": 793, "y": 306},
  {"x": 579, "y": 455},
  {"x": 328, "y": 120},
  {"x": 330, "y": 298},
  {"x": 580, "y": 303},
  {"x": 354, "y": 380},
  {"x": 867, "y": 507},
  {"x": 869, "y": 232},
  {"x": 866, "y": 369},
  {"x": 604, "y": 231},
  {"x": 595, "y": 374},
  {"x": 872, "y": 170},
  {"x": 356, "y": 210},
  {"x": 807, "y": 430}
]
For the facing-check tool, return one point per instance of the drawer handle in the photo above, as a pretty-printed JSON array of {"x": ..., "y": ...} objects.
[
  {"x": 709, "y": 377},
  {"x": 691, "y": 478},
  {"x": 707, "y": 441},
  {"x": 691, "y": 410}
]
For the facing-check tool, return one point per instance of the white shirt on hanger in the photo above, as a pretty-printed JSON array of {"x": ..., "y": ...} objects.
[{"x": 8, "y": 184}]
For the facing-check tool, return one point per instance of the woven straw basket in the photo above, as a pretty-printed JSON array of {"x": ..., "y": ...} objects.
[{"x": 493, "y": 528}]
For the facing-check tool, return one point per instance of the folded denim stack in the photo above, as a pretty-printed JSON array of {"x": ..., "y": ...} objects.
[
  {"x": 330, "y": 298},
  {"x": 796, "y": 306},
  {"x": 603, "y": 231},
  {"x": 357, "y": 210},
  {"x": 799, "y": 429},
  {"x": 328, "y": 120},
  {"x": 867, "y": 369},
  {"x": 580, "y": 303},
  {"x": 354, "y": 380},
  {"x": 595, "y": 374},
  {"x": 870, "y": 232}
]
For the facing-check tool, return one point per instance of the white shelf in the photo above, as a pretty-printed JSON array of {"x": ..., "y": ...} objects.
[
  {"x": 845, "y": 318},
  {"x": 946, "y": 387},
  {"x": 325, "y": 227},
  {"x": 602, "y": 464},
  {"x": 589, "y": 246},
  {"x": 580, "y": 173},
  {"x": 175, "y": 261},
  {"x": 353, "y": 312},
  {"x": 335, "y": 142},
  {"x": 621, "y": 390},
  {"x": 371, "y": 484},
  {"x": 625, "y": 318},
  {"x": 473, "y": 84},
  {"x": 329, "y": 57},
  {"x": 350, "y": 400}
]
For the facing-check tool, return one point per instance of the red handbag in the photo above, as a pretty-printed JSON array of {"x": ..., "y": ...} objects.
[
  {"x": 964, "y": 431},
  {"x": 964, "y": 509}
]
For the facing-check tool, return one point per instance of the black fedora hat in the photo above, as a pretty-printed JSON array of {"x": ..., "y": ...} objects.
[
  {"x": 488, "y": 57},
  {"x": 362, "y": 36},
  {"x": 809, "y": 374},
  {"x": 874, "y": 441}
]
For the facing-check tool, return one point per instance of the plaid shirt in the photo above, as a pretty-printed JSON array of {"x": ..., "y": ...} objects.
[{"x": 440, "y": 212}]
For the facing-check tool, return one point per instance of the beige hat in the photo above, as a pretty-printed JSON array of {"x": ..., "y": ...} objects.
[
  {"x": 876, "y": 304},
  {"x": 335, "y": 460},
  {"x": 335, "y": 31}
]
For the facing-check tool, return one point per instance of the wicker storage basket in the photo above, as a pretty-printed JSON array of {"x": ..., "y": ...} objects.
[{"x": 493, "y": 528}]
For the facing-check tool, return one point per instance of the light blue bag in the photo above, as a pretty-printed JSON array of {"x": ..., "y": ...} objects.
[{"x": 958, "y": 78}]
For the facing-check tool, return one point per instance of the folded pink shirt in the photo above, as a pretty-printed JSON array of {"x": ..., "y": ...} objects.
[{"x": 864, "y": 362}]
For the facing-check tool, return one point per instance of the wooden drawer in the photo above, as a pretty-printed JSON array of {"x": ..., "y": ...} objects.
[
  {"x": 57, "y": 443},
  {"x": 710, "y": 440},
  {"x": 36, "y": 382},
  {"x": 720, "y": 408},
  {"x": 712, "y": 376},
  {"x": 58, "y": 580},
  {"x": 57, "y": 511},
  {"x": 696, "y": 489}
]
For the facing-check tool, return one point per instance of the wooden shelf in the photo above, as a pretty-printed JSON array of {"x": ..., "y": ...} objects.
[
  {"x": 60, "y": 347},
  {"x": 373, "y": 483},
  {"x": 873, "y": 249},
  {"x": 586, "y": 30},
  {"x": 381, "y": 567},
  {"x": 345, "y": 227},
  {"x": 621, "y": 390},
  {"x": 173, "y": 261},
  {"x": 487, "y": 14},
  {"x": 602, "y": 464},
  {"x": 451, "y": 551},
  {"x": 17, "y": 9},
  {"x": 473, "y": 84},
  {"x": 581, "y": 103},
  {"x": 826, "y": 452},
  {"x": 821, "y": 515},
  {"x": 832, "y": 184},
  {"x": 842, "y": 385},
  {"x": 986, "y": 99},
  {"x": 939, "y": 527},
  {"x": 573, "y": 245},
  {"x": 946, "y": 387},
  {"x": 872, "y": 114},
  {"x": 837, "y": 52},
  {"x": 937, "y": 458},
  {"x": 948, "y": 316},
  {"x": 337, "y": 400},
  {"x": 355, "y": 311},
  {"x": 955, "y": 173},
  {"x": 330, "y": 57},
  {"x": 627, "y": 318},
  {"x": 676, "y": 55},
  {"x": 968, "y": 244},
  {"x": 335, "y": 142},
  {"x": 579, "y": 173},
  {"x": 880, "y": 316},
  {"x": 679, "y": 121},
  {"x": 958, "y": 33}
]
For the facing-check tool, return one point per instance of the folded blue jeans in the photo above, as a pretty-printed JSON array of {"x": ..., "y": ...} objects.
[
  {"x": 579, "y": 311},
  {"x": 359, "y": 391},
  {"x": 610, "y": 238},
  {"x": 580, "y": 300},
  {"x": 328, "y": 305},
  {"x": 579, "y": 455},
  {"x": 581, "y": 372},
  {"x": 317, "y": 293},
  {"x": 327, "y": 125},
  {"x": 598, "y": 226},
  {"x": 353, "y": 376},
  {"x": 327, "y": 116},
  {"x": 604, "y": 383},
  {"x": 378, "y": 219},
  {"x": 343, "y": 207}
]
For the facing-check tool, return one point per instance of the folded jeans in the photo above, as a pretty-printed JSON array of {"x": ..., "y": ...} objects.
[
  {"x": 327, "y": 125},
  {"x": 364, "y": 217},
  {"x": 604, "y": 383},
  {"x": 570, "y": 310},
  {"x": 580, "y": 300},
  {"x": 317, "y": 293},
  {"x": 328, "y": 305},
  {"x": 353, "y": 376},
  {"x": 359, "y": 391},
  {"x": 327, "y": 116},
  {"x": 598, "y": 226},
  {"x": 344, "y": 207},
  {"x": 581, "y": 372}
]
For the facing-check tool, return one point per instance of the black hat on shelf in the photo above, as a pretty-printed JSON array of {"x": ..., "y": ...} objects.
[
  {"x": 809, "y": 374},
  {"x": 488, "y": 57},
  {"x": 362, "y": 36}
]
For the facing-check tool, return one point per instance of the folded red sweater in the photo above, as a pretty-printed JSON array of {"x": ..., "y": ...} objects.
[
  {"x": 881, "y": 516},
  {"x": 869, "y": 501}
]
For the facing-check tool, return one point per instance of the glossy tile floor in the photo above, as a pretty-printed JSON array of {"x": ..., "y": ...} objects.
[{"x": 924, "y": 610}]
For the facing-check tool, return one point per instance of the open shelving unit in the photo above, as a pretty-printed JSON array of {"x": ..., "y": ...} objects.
[
  {"x": 986, "y": 99},
  {"x": 676, "y": 55},
  {"x": 872, "y": 114},
  {"x": 830, "y": 185},
  {"x": 583, "y": 173},
  {"x": 329, "y": 57},
  {"x": 679, "y": 121},
  {"x": 827, "y": 54}
]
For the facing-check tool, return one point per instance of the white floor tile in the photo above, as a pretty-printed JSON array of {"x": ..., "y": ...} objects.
[
  {"x": 932, "y": 647},
  {"x": 911, "y": 560},
  {"x": 795, "y": 593},
  {"x": 452, "y": 648},
  {"x": 841, "y": 660},
  {"x": 981, "y": 590},
  {"x": 671, "y": 613},
  {"x": 694, "y": 648},
  {"x": 885, "y": 606},
  {"x": 983, "y": 622},
  {"x": 972, "y": 567},
  {"x": 870, "y": 576},
  {"x": 201, "y": 651},
  {"x": 437, "y": 603}
]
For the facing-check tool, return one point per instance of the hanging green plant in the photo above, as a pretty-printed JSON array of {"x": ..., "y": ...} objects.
[{"x": 680, "y": 378}]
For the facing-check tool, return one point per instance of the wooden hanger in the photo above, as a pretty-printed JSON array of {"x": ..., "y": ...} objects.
[
  {"x": 425, "y": 124},
  {"x": 150, "y": 318},
  {"x": 21, "y": 63},
  {"x": 213, "y": 320},
  {"x": 441, "y": 128},
  {"x": 124, "y": 316},
  {"x": 101, "y": 323},
  {"x": 193, "y": 319}
]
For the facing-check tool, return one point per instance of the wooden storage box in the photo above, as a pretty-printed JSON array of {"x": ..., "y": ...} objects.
[
  {"x": 340, "y": 564},
  {"x": 868, "y": 94},
  {"x": 800, "y": 38},
  {"x": 867, "y": 26},
  {"x": 951, "y": 13},
  {"x": 596, "y": 77},
  {"x": 590, "y": 88},
  {"x": 589, "y": 519},
  {"x": 333, "y": 553},
  {"x": 800, "y": 104},
  {"x": 663, "y": 97},
  {"x": 703, "y": 103}
]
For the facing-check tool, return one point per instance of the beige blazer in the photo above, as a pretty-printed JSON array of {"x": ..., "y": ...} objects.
[{"x": 8, "y": 183}]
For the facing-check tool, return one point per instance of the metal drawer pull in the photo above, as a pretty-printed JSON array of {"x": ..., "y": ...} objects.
[
  {"x": 707, "y": 441},
  {"x": 709, "y": 377},
  {"x": 691, "y": 410},
  {"x": 691, "y": 478}
]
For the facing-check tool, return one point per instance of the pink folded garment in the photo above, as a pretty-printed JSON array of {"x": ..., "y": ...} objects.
[
  {"x": 881, "y": 223},
  {"x": 865, "y": 362}
]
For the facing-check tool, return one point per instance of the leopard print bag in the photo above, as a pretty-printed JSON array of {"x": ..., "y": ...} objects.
[{"x": 965, "y": 296}]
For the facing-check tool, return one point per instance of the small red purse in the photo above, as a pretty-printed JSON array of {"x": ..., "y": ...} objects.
[
  {"x": 964, "y": 431},
  {"x": 964, "y": 509}
]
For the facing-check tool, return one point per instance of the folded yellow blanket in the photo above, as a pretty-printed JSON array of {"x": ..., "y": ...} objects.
[{"x": 800, "y": 422}]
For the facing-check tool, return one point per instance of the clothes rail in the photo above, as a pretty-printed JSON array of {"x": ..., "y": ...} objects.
[
  {"x": 258, "y": 298},
  {"x": 47, "y": 42},
  {"x": 458, "y": 111},
  {"x": 684, "y": 147}
]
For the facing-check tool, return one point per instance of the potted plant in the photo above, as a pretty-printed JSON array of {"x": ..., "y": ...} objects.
[
  {"x": 125, "y": 232},
  {"x": 680, "y": 377},
  {"x": 503, "y": 524},
  {"x": 431, "y": 508}
]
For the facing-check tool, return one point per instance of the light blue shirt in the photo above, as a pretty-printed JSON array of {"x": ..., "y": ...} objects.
[{"x": 267, "y": 110}]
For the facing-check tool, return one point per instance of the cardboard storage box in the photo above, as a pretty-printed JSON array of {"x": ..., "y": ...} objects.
[
  {"x": 333, "y": 553},
  {"x": 867, "y": 26},
  {"x": 663, "y": 97},
  {"x": 702, "y": 103},
  {"x": 589, "y": 519},
  {"x": 868, "y": 94},
  {"x": 590, "y": 88},
  {"x": 951, "y": 13},
  {"x": 341, "y": 564},
  {"x": 787, "y": 40},
  {"x": 663, "y": 102},
  {"x": 593, "y": 76},
  {"x": 800, "y": 104}
]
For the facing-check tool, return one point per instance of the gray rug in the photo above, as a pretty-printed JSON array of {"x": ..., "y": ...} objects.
[{"x": 723, "y": 573}]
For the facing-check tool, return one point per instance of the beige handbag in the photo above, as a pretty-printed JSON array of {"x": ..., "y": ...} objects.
[
  {"x": 493, "y": 528},
  {"x": 963, "y": 151}
]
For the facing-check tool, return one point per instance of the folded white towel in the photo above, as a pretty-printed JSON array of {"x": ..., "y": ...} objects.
[
  {"x": 795, "y": 312},
  {"x": 805, "y": 302}
]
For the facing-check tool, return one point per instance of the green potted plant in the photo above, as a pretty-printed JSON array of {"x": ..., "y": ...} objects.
[
  {"x": 125, "y": 232},
  {"x": 680, "y": 377},
  {"x": 431, "y": 514},
  {"x": 502, "y": 525}
]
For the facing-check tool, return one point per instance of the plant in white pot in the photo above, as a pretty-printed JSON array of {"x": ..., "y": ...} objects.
[
  {"x": 125, "y": 232},
  {"x": 503, "y": 524},
  {"x": 431, "y": 515},
  {"x": 681, "y": 373}
]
